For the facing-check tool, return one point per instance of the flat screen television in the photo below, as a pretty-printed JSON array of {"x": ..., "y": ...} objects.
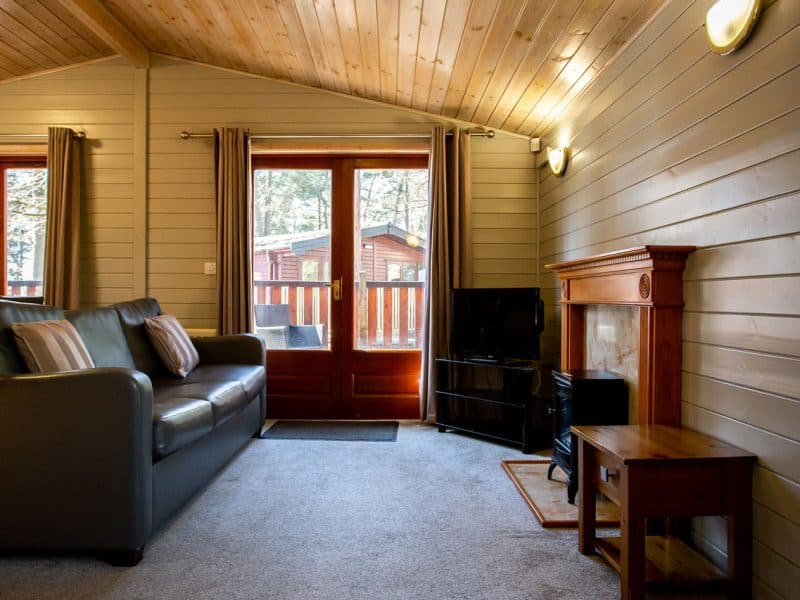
[{"x": 496, "y": 324}]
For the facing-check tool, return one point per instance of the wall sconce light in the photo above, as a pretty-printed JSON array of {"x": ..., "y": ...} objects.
[
  {"x": 557, "y": 157},
  {"x": 729, "y": 22}
]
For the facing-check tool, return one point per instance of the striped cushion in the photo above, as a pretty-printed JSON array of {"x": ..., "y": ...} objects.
[
  {"x": 172, "y": 344},
  {"x": 51, "y": 346}
]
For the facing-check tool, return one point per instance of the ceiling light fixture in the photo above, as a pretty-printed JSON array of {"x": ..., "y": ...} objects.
[
  {"x": 557, "y": 157},
  {"x": 729, "y": 22}
]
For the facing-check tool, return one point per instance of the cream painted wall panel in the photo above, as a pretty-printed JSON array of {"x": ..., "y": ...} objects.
[
  {"x": 167, "y": 220},
  {"x": 755, "y": 147},
  {"x": 181, "y": 178},
  {"x": 777, "y": 493},
  {"x": 505, "y": 222},
  {"x": 673, "y": 145},
  {"x": 771, "y": 412},
  {"x": 779, "y": 573},
  {"x": 767, "y": 295},
  {"x": 773, "y": 256},
  {"x": 519, "y": 251},
  {"x": 766, "y": 180},
  {"x": 98, "y": 99},
  {"x": 777, "y": 533},
  {"x": 761, "y": 333}
]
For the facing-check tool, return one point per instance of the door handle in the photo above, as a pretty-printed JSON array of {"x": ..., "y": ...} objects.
[{"x": 336, "y": 288}]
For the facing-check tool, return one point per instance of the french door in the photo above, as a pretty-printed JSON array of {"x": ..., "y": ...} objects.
[{"x": 339, "y": 262}]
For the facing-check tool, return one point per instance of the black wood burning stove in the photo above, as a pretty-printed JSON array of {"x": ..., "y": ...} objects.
[{"x": 581, "y": 397}]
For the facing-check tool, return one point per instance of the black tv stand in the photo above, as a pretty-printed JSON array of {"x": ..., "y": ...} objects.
[{"x": 493, "y": 399}]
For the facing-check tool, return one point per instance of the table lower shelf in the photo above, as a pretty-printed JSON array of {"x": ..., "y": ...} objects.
[{"x": 670, "y": 562}]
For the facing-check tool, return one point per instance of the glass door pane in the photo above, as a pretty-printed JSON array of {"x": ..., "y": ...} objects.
[
  {"x": 292, "y": 257},
  {"x": 391, "y": 222}
]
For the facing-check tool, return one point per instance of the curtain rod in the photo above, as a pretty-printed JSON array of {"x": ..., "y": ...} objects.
[
  {"x": 76, "y": 135},
  {"x": 186, "y": 135}
]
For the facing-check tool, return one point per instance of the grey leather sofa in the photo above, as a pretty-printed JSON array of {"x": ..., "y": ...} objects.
[{"x": 98, "y": 460}]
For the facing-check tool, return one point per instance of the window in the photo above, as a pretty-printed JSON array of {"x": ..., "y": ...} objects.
[{"x": 22, "y": 225}]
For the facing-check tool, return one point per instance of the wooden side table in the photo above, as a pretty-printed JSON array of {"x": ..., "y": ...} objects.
[{"x": 653, "y": 471}]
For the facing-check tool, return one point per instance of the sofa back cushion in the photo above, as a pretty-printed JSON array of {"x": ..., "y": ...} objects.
[
  {"x": 19, "y": 312},
  {"x": 102, "y": 333},
  {"x": 131, "y": 316}
]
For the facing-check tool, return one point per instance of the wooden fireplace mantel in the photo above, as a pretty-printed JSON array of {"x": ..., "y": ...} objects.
[{"x": 647, "y": 277}]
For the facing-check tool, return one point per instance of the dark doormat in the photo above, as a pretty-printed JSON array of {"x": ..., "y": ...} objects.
[{"x": 340, "y": 431}]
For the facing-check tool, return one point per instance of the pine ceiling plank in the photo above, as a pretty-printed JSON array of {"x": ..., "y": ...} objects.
[
  {"x": 259, "y": 30},
  {"x": 192, "y": 32},
  {"x": 557, "y": 19},
  {"x": 501, "y": 33},
  {"x": 142, "y": 23},
  {"x": 308, "y": 20},
  {"x": 235, "y": 36},
  {"x": 329, "y": 26},
  {"x": 524, "y": 37},
  {"x": 15, "y": 61},
  {"x": 351, "y": 45},
  {"x": 297, "y": 38},
  {"x": 580, "y": 64},
  {"x": 631, "y": 28},
  {"x": 481, "y": 16},
  {"x": 103, "y": 24},
  {"x": 453, "y": 28},
  {"x": 12, "y": 35},
  {"x": 388, "y": 31},
  {"x": 271, "y": 19},
  {"x": 33, "y": 27},
  {"x": 64, "y": 24},
  {"x": 408, "y": 39},
  {"x": 430, "y": 30},
  {"x": 566, "y": 46},
  {"x": 367, "y": 13}
]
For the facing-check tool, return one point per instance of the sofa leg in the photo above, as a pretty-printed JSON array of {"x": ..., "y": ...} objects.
[{"x": 125, "y": 558}]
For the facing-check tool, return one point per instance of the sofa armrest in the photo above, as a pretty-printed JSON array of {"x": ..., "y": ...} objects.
[
  {"x": 76, "y": 460},
  {"x": 241, "y": 349}
]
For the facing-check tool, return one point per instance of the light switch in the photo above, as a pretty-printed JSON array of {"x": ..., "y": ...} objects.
[{"x": 210, "y": 268}]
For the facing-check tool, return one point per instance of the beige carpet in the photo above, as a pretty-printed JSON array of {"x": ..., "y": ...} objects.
[{"x": 548, "y": 498}]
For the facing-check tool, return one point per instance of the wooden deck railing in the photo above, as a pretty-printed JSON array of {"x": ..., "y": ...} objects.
[
  {"x": 24, "y": 287},
  {"x": 389, "y": 317}
]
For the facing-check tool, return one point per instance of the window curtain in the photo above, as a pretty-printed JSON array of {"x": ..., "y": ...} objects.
[
  {"x": 234, "y": 231},
  {"x": 62, "y": 234},
  {"x": 449, "y": 257}
]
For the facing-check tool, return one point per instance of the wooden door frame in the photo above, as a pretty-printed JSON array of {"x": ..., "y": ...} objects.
[{"x": 349, "y": 399}]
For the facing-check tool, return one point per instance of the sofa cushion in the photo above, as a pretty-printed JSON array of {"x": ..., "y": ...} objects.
[
  {"x": 227, "y": 398},
  {"x": 103, "y": 336},
  {"x": 252, "y": 377},
  {"x": 169, "y": 338},
  {"x": 177, "y": 421},
  {"x": 19, "y": 312},
  {"x": 131, "y": 316},
  {"x": 51, "y": 346}
]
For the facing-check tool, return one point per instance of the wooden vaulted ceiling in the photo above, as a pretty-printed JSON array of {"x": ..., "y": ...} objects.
[{"x": 512, "y": 65}]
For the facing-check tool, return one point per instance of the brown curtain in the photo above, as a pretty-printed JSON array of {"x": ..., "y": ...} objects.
[
  {"x": 62, "y": 238},
  {"x": 449, "y": 258},
  {"x": 234, "y": 231}
]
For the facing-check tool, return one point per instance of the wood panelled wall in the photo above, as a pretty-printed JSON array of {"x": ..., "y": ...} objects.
[
  {"x": 503, "y": 213},
  {"x": 97, "y": 98},
  {"x": 674, "y": 145},
  {"x": 154, "y": 241}
]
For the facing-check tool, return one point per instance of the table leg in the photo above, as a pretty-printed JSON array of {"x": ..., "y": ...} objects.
[
  {"x": 587, "y": 518},
  {"x": 633, "y": 529},
  {"x": 740, "y": 537}
]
